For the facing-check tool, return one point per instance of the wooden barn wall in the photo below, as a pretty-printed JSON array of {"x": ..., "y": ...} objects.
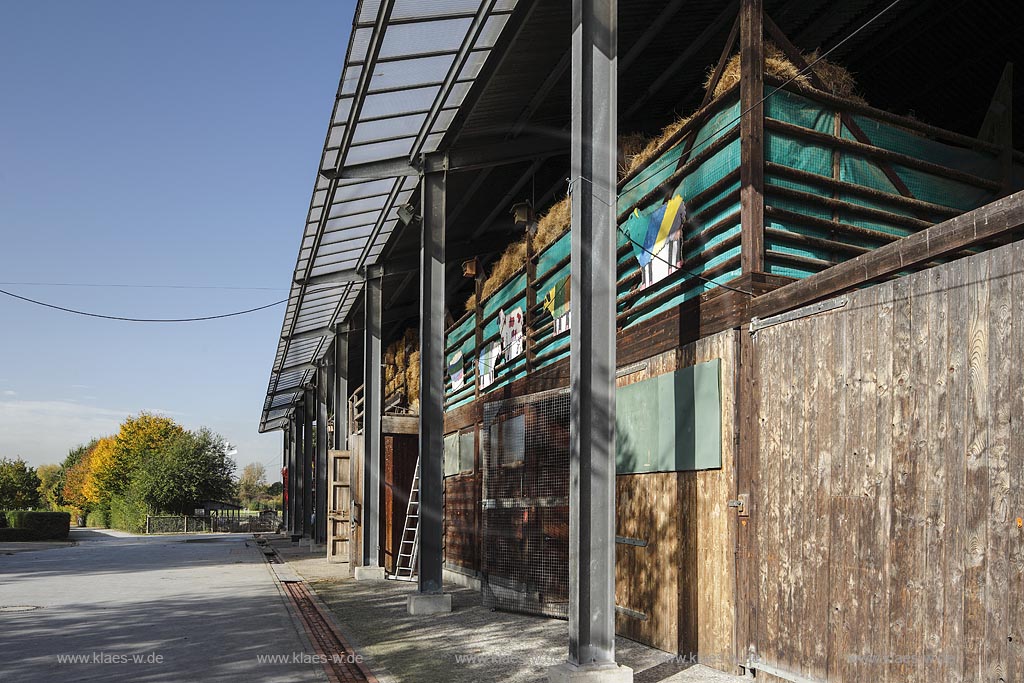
[
  {"x": 683, "y": 578},
  {"x": 890, "y": 481},
  {"x": 462, "y": 522},
  {"x": 399, "y": 456}
]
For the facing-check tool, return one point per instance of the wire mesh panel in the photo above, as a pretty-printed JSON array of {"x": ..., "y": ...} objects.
[{"x": 525, "y": 526}]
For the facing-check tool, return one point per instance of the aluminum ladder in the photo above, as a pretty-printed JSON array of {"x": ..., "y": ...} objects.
[{"x": 408, "y": 550}]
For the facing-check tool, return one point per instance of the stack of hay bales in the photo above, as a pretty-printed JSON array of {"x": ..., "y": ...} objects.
[
  {"x": 402, "y": 369},
  {"x": 635, "y": 151}
]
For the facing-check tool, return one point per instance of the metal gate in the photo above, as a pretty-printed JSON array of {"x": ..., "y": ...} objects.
[{"x": 526, "y": 504}]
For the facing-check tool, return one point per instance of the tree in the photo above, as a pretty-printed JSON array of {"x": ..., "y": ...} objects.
[
  {"x": 77, "y": 475},
  {"x": 252, "y": 485},
  {"x": 19, "y": 485},
  {"x": 139, "y": 439},
  {"x": 192, "y": 467},
  {"x": 49, "y": 486}
]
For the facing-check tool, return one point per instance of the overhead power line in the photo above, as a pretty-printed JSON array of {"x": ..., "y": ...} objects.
[
  {"x": 139, "y": 320},
  {"x": 127, "y": 286}
]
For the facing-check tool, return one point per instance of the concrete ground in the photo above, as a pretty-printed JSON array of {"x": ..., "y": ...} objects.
[
  {"x": 470, "y": 645},
  {"x": 133, "y": 608}
]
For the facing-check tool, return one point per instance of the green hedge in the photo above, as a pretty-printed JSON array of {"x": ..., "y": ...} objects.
[
  {"x": 48, "y": 525},
  {"x": 127, "y": 515},
  {"x": 98, "y": 519},
  {"x": 3, "y": 519},
  {"x": 18, "y": 535}
]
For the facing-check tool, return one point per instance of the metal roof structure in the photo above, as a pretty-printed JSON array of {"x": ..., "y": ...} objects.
[
  {"x": 467, "y": 74},
  {"x": 407, "y": 71}
]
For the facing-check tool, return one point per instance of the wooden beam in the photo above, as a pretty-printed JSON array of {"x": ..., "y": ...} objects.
[
  {"x": 752, "y": 134},
  {"x": 988, "y": 222}
]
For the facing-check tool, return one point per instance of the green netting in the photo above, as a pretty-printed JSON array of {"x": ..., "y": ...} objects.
[{"x": 859, "y": 170}]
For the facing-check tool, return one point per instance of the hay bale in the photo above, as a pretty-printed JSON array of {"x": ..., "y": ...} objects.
[
  {"x": 412, "y": 378},
  {"x": 630, "y": 145},
  {"x": 512, "y": 260},
  {"x": 836, "y": 79},
  {"x": 644, "y": 156},
  {"x": 553, "y": 224}
]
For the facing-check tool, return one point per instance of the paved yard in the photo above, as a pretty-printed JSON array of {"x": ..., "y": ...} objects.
[
  {"x": 117, "y": 607},
  {"x": 470, "y": 645}
]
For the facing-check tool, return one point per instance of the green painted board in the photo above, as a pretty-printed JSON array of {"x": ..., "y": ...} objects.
[{"x": 670, "y": 423}]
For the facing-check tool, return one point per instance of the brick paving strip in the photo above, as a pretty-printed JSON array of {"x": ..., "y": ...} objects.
[{"x": 340, "y": 661}]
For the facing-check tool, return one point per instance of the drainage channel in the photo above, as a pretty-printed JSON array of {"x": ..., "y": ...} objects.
[{"x": 341, "y": 663}]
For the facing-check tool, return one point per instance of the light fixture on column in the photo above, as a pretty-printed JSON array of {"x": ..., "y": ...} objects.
[{"x": 407, "y": 214}]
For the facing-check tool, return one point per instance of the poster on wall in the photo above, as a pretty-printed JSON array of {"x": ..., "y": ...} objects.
[
  {"x": 556, "y": 303},
  {"x": 487, "y": 363},
  {"x": 511, "y": 331},
  {"x": 456, "y": 370},
  {"x": 657, "y": 240}
]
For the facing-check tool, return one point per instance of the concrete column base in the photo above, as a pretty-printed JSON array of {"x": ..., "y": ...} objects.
[
  {"x": 609, "y": 673},
  {"x": 369, "y": 573},
  {"x": 419, "y": 604}
]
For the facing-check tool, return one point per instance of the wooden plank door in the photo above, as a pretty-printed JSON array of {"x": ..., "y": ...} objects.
[{"x": 339, "y": 508}]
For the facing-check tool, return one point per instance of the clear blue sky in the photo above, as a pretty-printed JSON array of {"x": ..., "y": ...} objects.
[{"x": 156, "y": 143}]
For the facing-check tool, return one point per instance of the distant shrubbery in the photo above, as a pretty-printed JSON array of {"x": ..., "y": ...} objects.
[
  {"x": 151, "y": 466},
  {"x": 44, "y": 525}
]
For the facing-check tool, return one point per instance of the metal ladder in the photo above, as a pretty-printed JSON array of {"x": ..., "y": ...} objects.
[{"x": 408, "y": 550}]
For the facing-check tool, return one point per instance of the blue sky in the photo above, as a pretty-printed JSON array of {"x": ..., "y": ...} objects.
[{"x": 153, "y": 143}]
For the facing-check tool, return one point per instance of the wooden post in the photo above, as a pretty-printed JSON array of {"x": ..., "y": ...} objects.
[
  {"x": 752, "y": 135},
  {"x": 531, "y": 302}
]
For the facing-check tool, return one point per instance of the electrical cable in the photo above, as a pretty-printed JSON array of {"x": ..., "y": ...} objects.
[
  {"x": 126, "y": 286},
  {"x": 139, "y": 320}
]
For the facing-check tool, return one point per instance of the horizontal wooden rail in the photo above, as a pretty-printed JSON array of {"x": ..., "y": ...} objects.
[
  {"x": 905, "y": 122},
  {"x": 990, "y": 221},
  {"x": 698, "y": 118},
  {"x": 909, "y": 222},
  {"x": 777, "y": 170},
  {"x": 854, "y": 147}
]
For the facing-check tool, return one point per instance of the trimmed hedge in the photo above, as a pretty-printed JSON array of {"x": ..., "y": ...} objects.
[
  {"x": 47, "y": 525},
  {"x": 3, "y": 519},
  {"x": 18, "y": 535},
  {"x": 98, "y": 519}
]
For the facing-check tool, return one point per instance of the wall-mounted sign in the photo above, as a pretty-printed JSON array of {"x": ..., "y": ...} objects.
[
  {"x": 511, "y": 330},
  {"x": 456, "y": 370},
  {"x": 556, "y": 303}
]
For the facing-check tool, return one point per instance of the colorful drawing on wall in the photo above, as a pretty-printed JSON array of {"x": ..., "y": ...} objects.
[
  {"x": 657, "y": 240},
  {"x": 487, "y": 363},
  {"x": 456, "y": 370},
  {"x": 511, "y": 327},
  {"x": 556, "y": 302}
]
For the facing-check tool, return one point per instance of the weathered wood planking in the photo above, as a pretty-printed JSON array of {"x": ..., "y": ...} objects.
[
  {"x": 1015, "y": 550},
  {"x": 895, "y": 423},
  {"x": 995, "y": 650},
  {"x": 956, "y": 473},
  {"x": 682, "y": 579},
  {"x": 976, "y": 493},
  {"x": 716, "y": 522}
]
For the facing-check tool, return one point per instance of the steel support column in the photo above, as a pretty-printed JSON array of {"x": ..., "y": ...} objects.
[
  {"x": 371, "y": 418},
  {"x": 592, "y": 344},
  {"x": 298, "y": 447},
  {"x": 341, "y": 387},
  {"x": 320, "y": 467},
  {"x": 432, "y": 369},
  {"x": 286, "y": 434},
  {"x": 308, "y": 414}
]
